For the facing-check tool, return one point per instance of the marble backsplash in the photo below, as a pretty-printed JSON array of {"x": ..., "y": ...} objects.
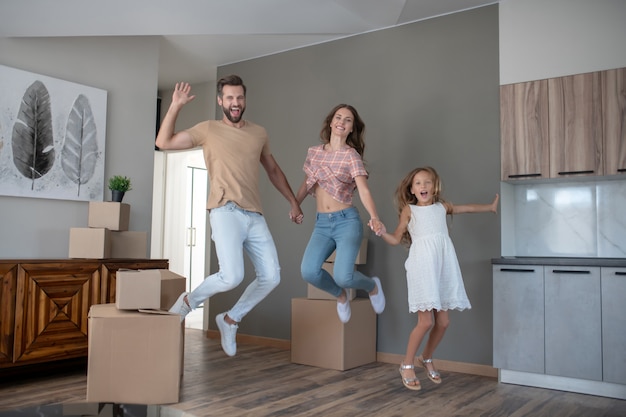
[{"x": 565, "y": 219}]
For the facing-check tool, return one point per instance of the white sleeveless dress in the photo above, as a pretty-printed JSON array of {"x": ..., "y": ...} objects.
[{"x": 432, "y": 269}]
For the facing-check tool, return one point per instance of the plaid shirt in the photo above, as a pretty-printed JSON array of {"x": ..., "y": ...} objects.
[{"x": 334, "y": 171}]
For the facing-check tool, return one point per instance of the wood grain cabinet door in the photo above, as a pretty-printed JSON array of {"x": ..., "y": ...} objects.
[
  {"x": 51, "y": 310},
  {"x": 524, "y": 148},
  {"x": 614, "y": 120},
  {"x": 575, "y": 122},
  {"x": 8, "y": 283}
]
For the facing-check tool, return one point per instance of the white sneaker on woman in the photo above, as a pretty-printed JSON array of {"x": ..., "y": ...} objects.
[
  {"x": 378, "y": 299},
  {"x": 343, "y": 311}
]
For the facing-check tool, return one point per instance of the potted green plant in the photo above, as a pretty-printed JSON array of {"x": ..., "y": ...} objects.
[{"x": 119, "y": 184}]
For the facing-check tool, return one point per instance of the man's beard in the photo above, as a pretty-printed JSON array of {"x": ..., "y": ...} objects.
[{"x": 230, "y": 117}]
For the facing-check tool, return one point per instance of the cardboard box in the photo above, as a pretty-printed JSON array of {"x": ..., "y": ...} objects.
[
  {"x": 361, "y": 257},
  {"x": 133, "y": 357},
  {"x": 317, "y": 294},
  {"x": 156, "y": 289},
  {"x": 90, "y": 243},
  {"x": 109, "y": 214},
  {"x": 129, "y": 245},
  {"x": 319, "y": 339}
]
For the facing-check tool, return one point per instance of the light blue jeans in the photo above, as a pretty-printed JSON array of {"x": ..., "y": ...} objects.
[
  {"x": 341, "y": 231},
  {"x": 234, "y": 230}
]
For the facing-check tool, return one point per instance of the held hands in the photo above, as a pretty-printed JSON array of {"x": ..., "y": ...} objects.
[
  {"x": 377, "y": 226},
  {"x": 296, "y": 215}
]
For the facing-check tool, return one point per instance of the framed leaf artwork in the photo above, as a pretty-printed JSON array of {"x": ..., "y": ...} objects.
[{"x": 52, "y": 137}]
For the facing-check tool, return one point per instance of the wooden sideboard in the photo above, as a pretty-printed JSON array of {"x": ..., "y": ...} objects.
[{"x": 44, "y": 304}]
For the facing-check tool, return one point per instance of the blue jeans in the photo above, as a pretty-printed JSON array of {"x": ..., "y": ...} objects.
[
  {"x": 234, "y": 230},
  {"x": 341, "y": 231}
]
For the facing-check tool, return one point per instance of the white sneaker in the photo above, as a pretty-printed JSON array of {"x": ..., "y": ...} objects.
[
  {"x": 229, "y": 334},
  {"x": 181, "y": 306},
  {"x": 343, "y": 311},
  {"x": 378, "y": 300}
]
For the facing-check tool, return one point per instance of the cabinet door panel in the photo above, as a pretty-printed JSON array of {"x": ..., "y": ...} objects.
[
  {"x": 614, "y": 324},
  {"x": 614, "y": 123},
  {"x": 52, "y": 306},
  {"x": 575, "y": 122},
  {"x": 524, "y": 130},
  {"x": 573, "y": 322},
  {"x": 8, "y": 282},
  {"x": 518, "y": 312}
]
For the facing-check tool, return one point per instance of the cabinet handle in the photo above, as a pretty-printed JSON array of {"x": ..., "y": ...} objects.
[
  {"x": 621, "y": 169},
  {"x": 575, "y": 172},
  {"x": 524, "y": 175},
  {"x": 561, "y": 271},
  {"x": 620, "y": 273},
  {"x": 516, "y": 270}
]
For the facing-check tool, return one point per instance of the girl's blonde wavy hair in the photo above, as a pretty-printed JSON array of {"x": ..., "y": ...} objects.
[{"x": 404, "y": 196}]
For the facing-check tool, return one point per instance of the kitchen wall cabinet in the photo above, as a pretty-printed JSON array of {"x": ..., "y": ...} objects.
[
  {"x": 563, "y": 127},
  {"x": 45, "y": 305},
  {"x": 614, "y": 324},
  {"x": 575, "y": 125},
  {"x": 524, "y": 130},
  {"x": 518, "y": 326},
  {"x": 614, "y": 120},
  {"x": 573, "y": 313}
]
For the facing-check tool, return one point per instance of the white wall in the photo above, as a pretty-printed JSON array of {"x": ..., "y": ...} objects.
[
  {"x": 127, "y": 69},
  {"x": 542, "y": 39}
]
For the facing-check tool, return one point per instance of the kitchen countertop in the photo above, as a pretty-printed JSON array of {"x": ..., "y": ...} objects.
[{"x": 524, "y": 260}]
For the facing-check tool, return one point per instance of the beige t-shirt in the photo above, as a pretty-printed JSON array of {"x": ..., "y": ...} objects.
[{"x": 232, "y": 156}]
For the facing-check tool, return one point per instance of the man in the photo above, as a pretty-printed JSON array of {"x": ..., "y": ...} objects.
[{"x": 233, "y": 148}]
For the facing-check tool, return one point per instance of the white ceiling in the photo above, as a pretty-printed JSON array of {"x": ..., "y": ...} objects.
[{"x": 200, "y": 35}]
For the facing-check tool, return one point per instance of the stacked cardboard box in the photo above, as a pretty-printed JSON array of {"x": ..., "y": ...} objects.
[
  {"x": 319, "y": 338},
  {"x": 136, "y": 346},
  {"x": 107, "y": 234}
]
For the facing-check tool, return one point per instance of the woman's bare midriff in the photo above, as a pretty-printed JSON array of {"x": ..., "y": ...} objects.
[{"x": 326, "y": 203}]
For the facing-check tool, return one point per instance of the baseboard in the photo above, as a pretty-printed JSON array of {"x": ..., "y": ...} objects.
[
  {"x": 444, "y": 365},
  {"x": 582, "y": 386},
  {"x": 255, "y": 340}
]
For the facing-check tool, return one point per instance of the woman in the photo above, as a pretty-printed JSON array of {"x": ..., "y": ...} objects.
[{"x": 333, "y": 170}]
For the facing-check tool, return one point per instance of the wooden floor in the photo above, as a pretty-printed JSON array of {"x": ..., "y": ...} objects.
[{"x": 261, "y": 381}]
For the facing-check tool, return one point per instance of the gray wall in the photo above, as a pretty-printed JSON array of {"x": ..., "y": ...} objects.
[
  {"x": 127, "y": 69},
  {"x": 429, "y": 95}
]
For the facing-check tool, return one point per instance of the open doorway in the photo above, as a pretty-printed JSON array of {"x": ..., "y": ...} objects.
[{"x": 179, "y": 219}]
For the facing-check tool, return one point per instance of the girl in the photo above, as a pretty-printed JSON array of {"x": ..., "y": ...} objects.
[
  {"x": 333, "y": 170},
  {"x": 434, "y": 278}
]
